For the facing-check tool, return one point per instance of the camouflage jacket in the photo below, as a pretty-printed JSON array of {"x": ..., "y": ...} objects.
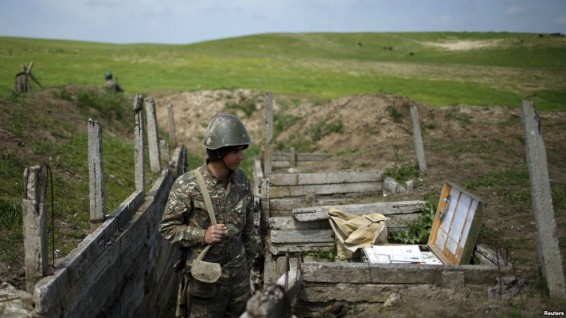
[{"x": 186, "y": 218}]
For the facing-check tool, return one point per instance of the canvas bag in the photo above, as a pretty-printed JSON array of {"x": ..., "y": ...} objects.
[
  {"x": 203, "y": 271},
  {"x": 356, "y": 231}
]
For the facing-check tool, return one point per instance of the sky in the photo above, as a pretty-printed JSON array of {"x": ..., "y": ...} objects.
[{"x": 191, "y": 21}]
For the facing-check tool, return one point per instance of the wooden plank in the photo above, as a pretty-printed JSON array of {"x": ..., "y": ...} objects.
[
  {"x": 418, "y": 139},
  {"x": 293, "y": 191},
  {"x": 285, "y": 156},
  {"x": 286, "y": 205},
  {"x": 352, "y": 293},
  {"x": 385, "y": 208},
  {"x": 257, "y": 178},
  {"x": 302, "y": 236},
  {"x": 268, "y": 148},
  {"x": 258, "y": 172},
  {"x": 270, "y": 269},
  {"x": 324, "y": 178},
  {"x": 280, "y": 249},
  {"x": 280, "y": 164},
  {"x": 288, "y": 223},
  {"x": 364, "y": 273}
]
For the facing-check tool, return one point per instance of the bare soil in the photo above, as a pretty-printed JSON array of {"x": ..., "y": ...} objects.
[{"x": 467, "y": 145}]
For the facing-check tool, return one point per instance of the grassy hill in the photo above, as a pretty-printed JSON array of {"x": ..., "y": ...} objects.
[
  {"x": 431, "y": 68},
  {"x": 49, "y": 125}
]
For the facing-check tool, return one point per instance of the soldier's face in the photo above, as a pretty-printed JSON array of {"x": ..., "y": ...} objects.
[{"x": 234, "y": 158}]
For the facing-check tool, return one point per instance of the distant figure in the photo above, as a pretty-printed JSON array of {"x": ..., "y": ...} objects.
[
  {"x": 23, "y": 84},
  {"x": 112, "y": 84}
]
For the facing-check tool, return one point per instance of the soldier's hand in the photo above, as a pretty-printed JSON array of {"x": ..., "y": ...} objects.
[{"x": 214, "y": 234}]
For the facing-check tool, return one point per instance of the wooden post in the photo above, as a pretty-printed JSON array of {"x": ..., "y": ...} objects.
[
  {"x": 152, "y": 136},
  {"x": 418, "y": 139},
  {"x": 138, "y": 144},
  {"x": 273, "y": 301},
  {"x": 35, "y": 224},
  {"x": 292, "y": 158},
  {"x": 164, "y": 151},
  {"x": 172, "y": 136},
  {"x": 548, "y": 245},
  {"x": 95, "y": 175},
  {"x": 268, "y": 134}
]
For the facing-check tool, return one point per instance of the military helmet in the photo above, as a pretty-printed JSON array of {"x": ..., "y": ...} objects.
[
  {"x": 108, "y": 75},
  {"x": 225, "y": 130}
]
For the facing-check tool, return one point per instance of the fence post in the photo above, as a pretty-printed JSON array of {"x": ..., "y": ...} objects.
[
  {"x": 418, "y": 139},
  {"x": 95, "y": 175},
  {"x": 164, "y": 151},
  {"x": 541, "y": 196},
  {"x": 172, "y": 136},
  {"x": 293, "y": 158},
  {"x": 152, "y": 138},
  {"x": 34, "y": 219},
  {"x": 138, "y": 144},
  {"x": 268, "y": 134}
]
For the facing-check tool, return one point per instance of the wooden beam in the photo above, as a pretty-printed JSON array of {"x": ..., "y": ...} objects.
[
  {"x": 385, "y": 208},
  {"x": 284, "y": 156},
  {"x": 288, "y": 223},
  {"x": 288, "y": 179},
  {"x": 365, "y": 273},
  {"x": 281, "y": 249},
  {"x": 321, "y": 189},
  {"x": 302, "y": 236}
]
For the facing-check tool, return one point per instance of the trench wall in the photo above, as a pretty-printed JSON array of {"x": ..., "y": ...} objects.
[{"x": 123, "y": 268}]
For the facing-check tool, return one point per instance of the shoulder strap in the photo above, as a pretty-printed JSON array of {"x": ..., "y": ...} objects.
[{"x": 206, "y": 195}]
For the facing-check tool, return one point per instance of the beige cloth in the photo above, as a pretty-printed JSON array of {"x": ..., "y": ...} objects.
[{"x": 356, "y": 231}]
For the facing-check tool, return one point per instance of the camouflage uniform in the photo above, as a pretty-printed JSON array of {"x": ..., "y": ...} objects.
[
  {"x": 185, "y": 221},
  {"x": 113, "y": 86}
]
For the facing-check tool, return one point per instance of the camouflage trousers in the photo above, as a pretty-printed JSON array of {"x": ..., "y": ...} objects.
[{"x": 225, "y": 298}]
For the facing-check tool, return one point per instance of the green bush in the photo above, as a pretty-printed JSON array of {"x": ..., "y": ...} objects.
[
  {"x": 418, "y": 231},
  {"x": 322, "y": 129},
  {"x": 247, "y": 107},
  {"x": 402, "y": 172}
]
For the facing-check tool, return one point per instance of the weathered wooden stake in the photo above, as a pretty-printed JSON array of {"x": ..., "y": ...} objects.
[
  {"x": 548, "y": 246},
  {"x": 138, "y": 144},
  {"x": 268, "y": 134},
  {"x": 96, "y": 175},
  {"x": 418, "y": 139},
  {"x": 172, "y": 137},
  {"x": 164, "y": 151},
  {"x": 152, "y": 137},
  {"x": 35, "y": 224},
  {"x": 292, "y": 158}
]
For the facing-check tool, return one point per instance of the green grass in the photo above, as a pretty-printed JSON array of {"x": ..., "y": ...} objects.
[
  {"x": 320, "y": 66},
  {"x": 327, "y": 65},
  {"x": 61, "y": 142}
]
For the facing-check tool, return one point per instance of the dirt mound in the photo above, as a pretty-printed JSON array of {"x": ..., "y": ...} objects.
[{"x": 471, "y": 146}]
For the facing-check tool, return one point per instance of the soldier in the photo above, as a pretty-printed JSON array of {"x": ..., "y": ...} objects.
[
  {"x": 112, "y": 84},
  {"x": 23, "y": 84},
  {"x": 186, "y": 222}
]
